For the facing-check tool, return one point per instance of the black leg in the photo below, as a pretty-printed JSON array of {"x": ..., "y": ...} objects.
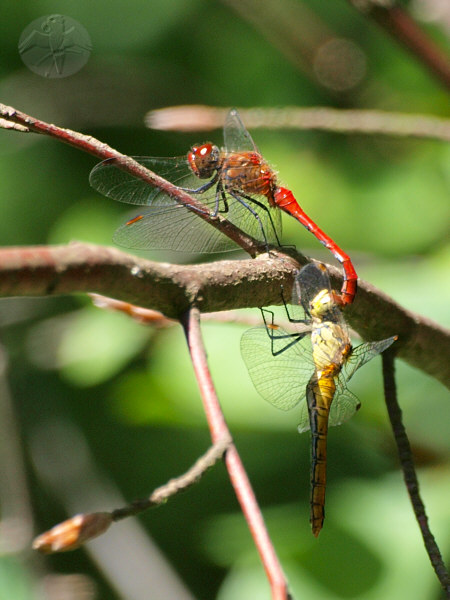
[
  {"x": 240, "y": 198},
  {"x": 275, "y": 334},
  {"x": 202, "y": 188}
]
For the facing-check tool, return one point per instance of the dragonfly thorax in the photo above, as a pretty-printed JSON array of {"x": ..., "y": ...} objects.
[
  {"x": 331, "y": 346},
  {"x": 248, "y": 173},
  {"x": 204, "y": 160}
]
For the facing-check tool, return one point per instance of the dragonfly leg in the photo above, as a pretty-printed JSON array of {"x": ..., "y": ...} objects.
[
  {"x": 275, "y": 335},
  {"x": 220, "y": 195},
  {"x": 264, "y": 207},
  {"x": 272, "y": 325},
  {"x": 202, "y": 188},
  {"x": 240, "y": 198},
  {"x": 286, "y": 309}
]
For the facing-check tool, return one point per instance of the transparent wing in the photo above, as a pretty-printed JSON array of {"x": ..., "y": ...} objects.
[
  {"x": 303, "y": 424},
  {"x": 165, "y": 224},
  {"x": 177, "y": 228},
  {"x": 345, "y": 404},
  {"x": 294, "y": 310},
  {"x": 363, "y": 353},
  {"x": 343, "y": 407},
  {"x": 235, "y": 135},
  {"x": 280, "y": 378},
  {"x": 119, "y": 185}
]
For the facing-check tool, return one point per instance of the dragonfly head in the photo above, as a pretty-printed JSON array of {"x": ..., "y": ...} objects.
[{"x": 204, "y": 159}]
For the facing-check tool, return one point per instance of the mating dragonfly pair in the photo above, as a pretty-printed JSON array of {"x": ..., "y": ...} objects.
[{"x": 286, "y": 369}]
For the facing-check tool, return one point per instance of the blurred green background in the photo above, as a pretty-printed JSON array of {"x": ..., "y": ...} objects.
[{"x": 106, "y": 409}]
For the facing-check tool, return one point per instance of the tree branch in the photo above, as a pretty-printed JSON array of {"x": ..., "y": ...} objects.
[
  {"x": 196, "y": 117},
  {"x": 224, "y": 285},
  {"x": 238, "y": 476},
  {"x": 409, "y": 471}
]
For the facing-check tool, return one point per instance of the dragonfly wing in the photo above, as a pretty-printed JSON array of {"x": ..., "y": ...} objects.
[
  {"x": 235, "y": 135},
  {"x": 304, "y": 424},
  {"x": 294, "y": 309},
  {"x": 171, "y": 228},
  {"x": 268, "y": 218},
  {"x": 363, "y": 353},
  {"x": 188, "y": 232},
  {"x": 280, "y": 378},
  {"x": 344, "y": 406},
  {"x": 119, "y": 185},
  {"x": 164, "y": 226}
]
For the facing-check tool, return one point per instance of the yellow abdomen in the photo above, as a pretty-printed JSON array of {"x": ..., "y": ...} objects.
[{"x": 320, "y": 393}]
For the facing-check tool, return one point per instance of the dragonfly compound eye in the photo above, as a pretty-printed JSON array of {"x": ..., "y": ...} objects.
[{"x": 204, "y": 160}]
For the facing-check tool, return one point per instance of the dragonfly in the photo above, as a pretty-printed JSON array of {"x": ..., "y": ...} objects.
[
  {"x": 238, "y": 182},
  {"x": 311, "y": 368}
]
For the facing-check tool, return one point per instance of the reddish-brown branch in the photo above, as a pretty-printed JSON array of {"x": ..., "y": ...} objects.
[
  {"x": 409, "y": 472},
  {"x": 238, "y": 476},
  {"x": 146, "y": 316},
  {"x": 157, "y": 320},
  {"x": 395, "y": 21}
]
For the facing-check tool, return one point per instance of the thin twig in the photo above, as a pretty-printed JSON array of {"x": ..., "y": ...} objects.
[
  {"x": 238, "y": 476},
  {"x": 178, "y": 484},
  {"x": 197, "y": 117},
  {"x": 5, "y": 124},
  {"x": 146, "y": 316},
  {"x": 409, "y": 472},
  {"x": 72, "y": 533},
  {"x": 157, "y": 320},
  {"x": 405, "y": 31}
]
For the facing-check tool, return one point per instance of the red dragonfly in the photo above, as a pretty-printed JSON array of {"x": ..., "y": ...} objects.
[{"x": 239, "y": 183}]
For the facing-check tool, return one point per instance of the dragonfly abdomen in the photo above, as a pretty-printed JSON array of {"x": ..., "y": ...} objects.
[{"x": 319, "y": 395}]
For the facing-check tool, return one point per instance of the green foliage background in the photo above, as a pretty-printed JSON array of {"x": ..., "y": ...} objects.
[{"x": 88, "y": 383}]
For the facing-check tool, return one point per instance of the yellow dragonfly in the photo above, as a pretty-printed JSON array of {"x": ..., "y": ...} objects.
[{"x": 310, "y": 368}]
